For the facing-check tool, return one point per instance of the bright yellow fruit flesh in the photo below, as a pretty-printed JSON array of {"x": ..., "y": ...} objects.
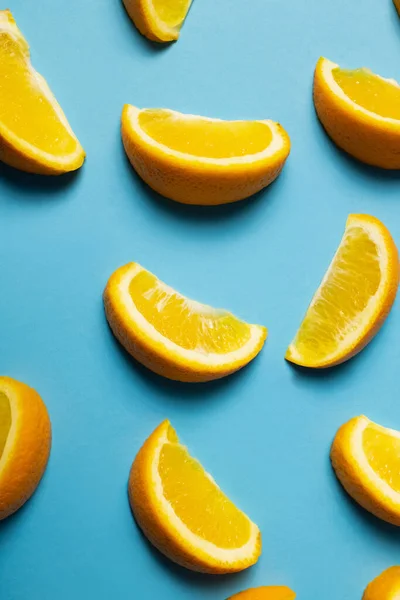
[
  {"x": 272, "y": 592},
  {"x": 383, "y": 453},
  {"x": 172, "y": 13},
  {"x": 24, "y": 109},
  {"x": 204, "y": 138},
  {"x": 194, "y": 497},
  {"x": 5, "y": 421},
  {"x": 187, "y": 323},
  {"x": 353, "y": 279},
  {"x": 370, "y": 91}
]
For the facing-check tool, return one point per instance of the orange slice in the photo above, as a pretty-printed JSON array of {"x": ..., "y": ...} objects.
[
  {"x": 158, "y": 20},
  {"x": 397, "y": 5},
  {"x": 34, "y": 133},
  {"x": 384, "y": 587},
  {"x": 197, "y": 160},
  {"x": 360, "y": 112},
  {"x": 271, "y": 592},
  {"x": 172, "y": 335},
  {"x": 354, "y": 298},
  {"x": 183, "y": 512},
  {"x": 366, "y": 459},
  {"x": 25, "y": 440}
]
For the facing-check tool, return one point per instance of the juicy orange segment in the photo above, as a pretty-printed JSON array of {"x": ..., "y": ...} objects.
[
  {"x": 353, "y": 299},
  {"x": 173, "y": 335},
  {"x": 183, "y": 512},
  {"x": 5, "y": 421},
  {"x": 360, "y": 112},
  {"x": 271, "y": 592},
  {"x": 366, "y": 459},
  {"x": 34, "y": 130},
  {"x": 384, "y": 587},
  {"x": 198, "y": 160},
  {"x": 158, "y": 20}
]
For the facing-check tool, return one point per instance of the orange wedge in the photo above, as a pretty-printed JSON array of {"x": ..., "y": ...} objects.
[
  {"x": 183, "y": 512},
  {"x": 158, "y": 20},
  {"x": 197, "y": 160},
  {"x": 397, "y": 5},
  {"x": 366, "y": 459},
  {"x": 271, "y": 592},
  {"x": 360, "y": 112},
  {"x": 34, "y": 133},
  {"x": 173, "y": 336},
  {"x": 384, "y": 587},
  {"x": 25, "y": 440},
  {"x": 354, "y": 298}
]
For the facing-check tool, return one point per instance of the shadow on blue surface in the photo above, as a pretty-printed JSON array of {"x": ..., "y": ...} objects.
[{"x": 29, "y": 184}]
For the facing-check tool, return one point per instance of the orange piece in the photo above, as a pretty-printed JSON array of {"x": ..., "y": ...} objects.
[
  {"x": 384, "y": 587},
  {"x": 184, "y": 513},
  {"x": 270, "y": 592},
  {"x": 25, "y": 440},
  {"x": 198, "y": 160},
  {"x": 158, "y": 20}
]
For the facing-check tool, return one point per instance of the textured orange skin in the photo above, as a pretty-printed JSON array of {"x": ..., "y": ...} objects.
[
  {"x": 28, "y": 457},
  {"x": 351, "y": 477},
  {"x": 380, "y": 316},
  {"x": 151, "y": 355},
  {"x": 198, "y": 183},
  {"x": 270, "y": 592},
  {"x": 384, "y": 587},
  {"x": 373, "y": 142},
  {"x": 138, "y": 12},
  {"x": 144, "y": 506}
]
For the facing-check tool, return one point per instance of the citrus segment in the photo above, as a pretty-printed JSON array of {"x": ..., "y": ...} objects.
[
  {"x": 360, "y": 112},
  {"x": 34, "y": 132},
  {"x": 173, "y": 335},
  {"x": 272, "y": 592},
  {"x": 183, "y": 512},
  {"x": 384, "y": 587},
  {"x": 198, "y": 160},
  {"x": 158, "y": 20},
  {"x": 366, "y": 459},
  {"x": 354, "y": 298},
  {"x": 5, "y": 421}
]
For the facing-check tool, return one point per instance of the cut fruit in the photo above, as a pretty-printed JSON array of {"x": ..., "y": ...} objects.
[
  {"x": 197, "y": 160},
  {"x": 366, "y": 459},
  {"x": 173, "y": 336},
  {"x": 397, "y": 5},
  {"x": 25, "y": 440},
  {"x": 384, "y": 587},
  {"x": 34, "y": 133},
  {"x": 158, "y": 20},
  {"x": 354, "y": 298},
  {"x": 184, "y": 514},
  {"x": 270, "y": 592},
  {"x": 360, "y": 112}
]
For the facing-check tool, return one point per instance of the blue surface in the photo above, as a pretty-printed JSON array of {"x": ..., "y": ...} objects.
[{"x": 264, "y": 433}]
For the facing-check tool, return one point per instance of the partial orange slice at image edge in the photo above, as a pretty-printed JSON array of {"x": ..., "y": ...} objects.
[
  {"x": 384, "y": 587},
  {"x": 270, "y": 592}
]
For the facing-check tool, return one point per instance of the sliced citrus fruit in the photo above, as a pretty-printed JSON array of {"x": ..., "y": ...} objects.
[
  {"x": 360, "y": 112},
  {"x": 366, "y": 459},
  {"x": 25, "y": 440},
  {"x": 397, "y": 5},
  {"x": 183, "y": 512},
  {"x": 354, "y": 298},
  {"x": 172, "y": 335},
  {"x": 384, "y": 587},
  {"x": 34, "y": 133},
  {"x": 158, "y": 20},
  {"x": 270, "y": 592},
  {"x": 197, "y": 160}
]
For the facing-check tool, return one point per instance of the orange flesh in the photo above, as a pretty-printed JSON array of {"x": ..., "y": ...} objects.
[
  {"x": 5, "y": 421},
  {"x": 188, "y": 324},
  {"x": 383, "y": 453},
  {"x": 355, "y": 277},
  {"x": 271, "y": 592},
  {"x": 370, "y": 91},
  {"x": 24, "y": 109},
  {"x": 172, "y": 12},
  {"x": 196, "y": 499},
  {"x": 384, "y": 586},
  {"x": 208, "y": 139}
]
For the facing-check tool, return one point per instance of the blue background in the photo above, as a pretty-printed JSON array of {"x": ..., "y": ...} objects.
[{"x": 264, "y": 433}]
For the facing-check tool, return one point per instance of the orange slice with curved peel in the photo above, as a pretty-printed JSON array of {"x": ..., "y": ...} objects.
[
  {"x": 25, "y": 440},
  {"x": 34, "y": 133},
  {"x": 384, "y": 587},
  {"x": 158, "y": 20},
  {"x": 354, "y": 298},
  {"x": 366, "y": 459},
  {"x": 270, "y": 592},
  {"x": 198, "y": 160},
  {"x": 360, "y": 112},
  {"x": 183, "y": 512},
  {"x": 173, "y": 336}
]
